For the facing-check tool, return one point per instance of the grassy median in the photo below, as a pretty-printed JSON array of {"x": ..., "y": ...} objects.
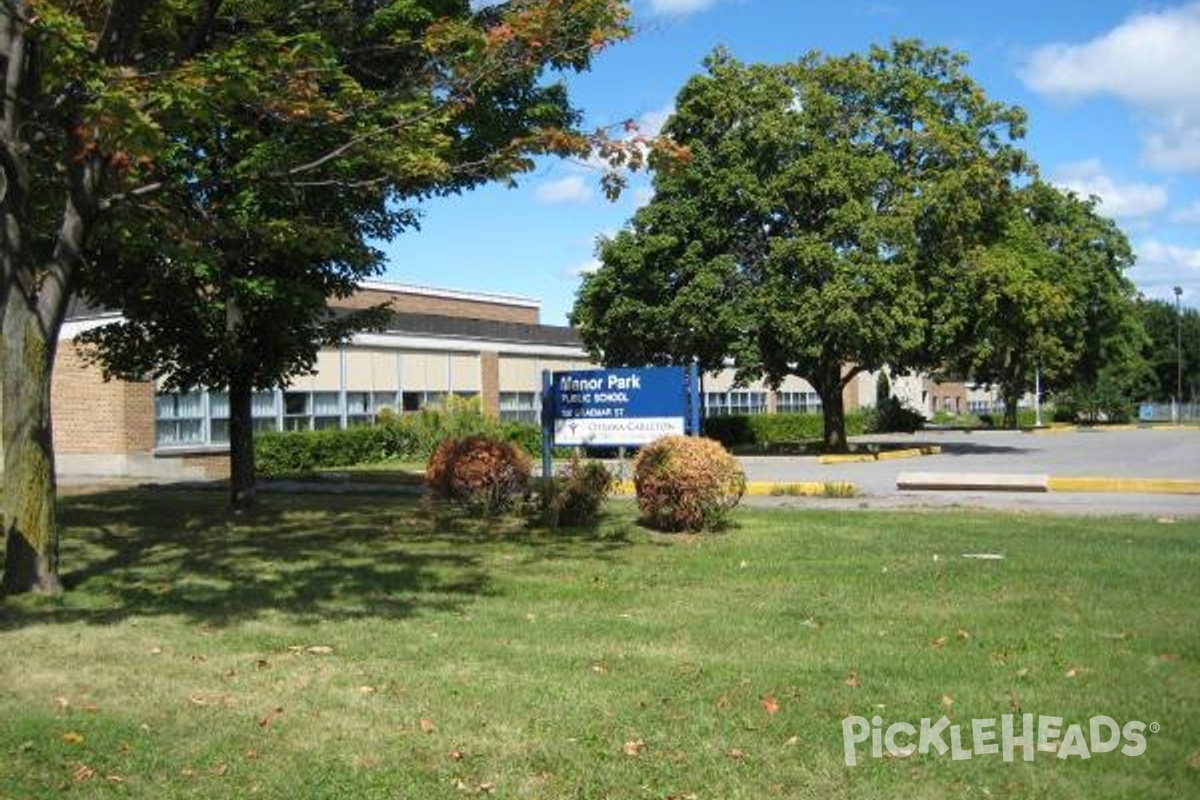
[{"x": 363, "y": 646}]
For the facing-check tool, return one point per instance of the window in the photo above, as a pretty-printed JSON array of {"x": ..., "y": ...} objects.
[
  {"x": 358, "y": 409},
  {"x": 296, "y": 411},
  {"x": 327, "y": 410},
  {"x": 415, "y": 401},
  {"x": 798, "y": 402},
  {"x": 736, "y": 402},
  {"x": 519, "y": 407},
  {"x": 179, "y": 419},
  {"x": 263, "y": 411}
]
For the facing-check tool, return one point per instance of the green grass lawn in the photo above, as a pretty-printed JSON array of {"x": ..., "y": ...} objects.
[{"x": 358, "y": 646}]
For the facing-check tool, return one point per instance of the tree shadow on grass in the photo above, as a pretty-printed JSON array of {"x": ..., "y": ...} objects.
[{"x": 306, "y": 556}]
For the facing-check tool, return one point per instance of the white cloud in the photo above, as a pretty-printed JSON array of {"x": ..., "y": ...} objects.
[
  {"x": 1188, "y": 215},
  {"x": 585, "y": 268},
  {"x": 1149, "y": 62},
  {"x": 571, "y": 189},
  {"x": 1162, "y": 266},
  {"x": 651, "y": 122},
  {"x": 677, "y": 8},
  {"x": 1117, "y": 200}
]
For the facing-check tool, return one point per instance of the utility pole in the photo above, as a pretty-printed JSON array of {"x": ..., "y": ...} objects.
[{"x": 1178, "y": 356}]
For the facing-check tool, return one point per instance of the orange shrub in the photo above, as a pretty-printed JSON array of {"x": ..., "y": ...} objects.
[
  {"x": 686, "y": 483},
  {"x": 478, "y": 473}
]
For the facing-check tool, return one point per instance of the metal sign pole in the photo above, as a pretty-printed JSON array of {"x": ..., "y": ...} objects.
[{"x": 547, "y": 426}]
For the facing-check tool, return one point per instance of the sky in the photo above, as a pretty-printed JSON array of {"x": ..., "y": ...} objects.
[{"x": 1112, "y": 91}]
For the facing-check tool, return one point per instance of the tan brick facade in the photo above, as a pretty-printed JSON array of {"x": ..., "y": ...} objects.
[
  {"x": 414, "y": 303},
  {"x": 92, "y": 415},
  {"x": 489, "y": 368}
]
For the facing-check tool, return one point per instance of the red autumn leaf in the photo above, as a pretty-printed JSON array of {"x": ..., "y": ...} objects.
[{"x": 769, "y": 703}]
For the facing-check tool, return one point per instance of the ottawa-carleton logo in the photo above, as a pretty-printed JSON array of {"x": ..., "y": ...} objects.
[{"x": 1012, "y": 737}]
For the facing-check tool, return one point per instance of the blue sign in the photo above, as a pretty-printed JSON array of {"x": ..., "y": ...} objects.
[{"x": 617, "y": 407}]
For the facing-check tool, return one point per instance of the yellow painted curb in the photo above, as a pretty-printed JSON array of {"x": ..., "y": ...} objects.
[
  {"x": 885, "y": 455},
  {"x": 802, "y": 489},
  {"x": 769, "y": 489},
  {"x": 848, "y": 458},
  {"x": 1131, "y": 485}
]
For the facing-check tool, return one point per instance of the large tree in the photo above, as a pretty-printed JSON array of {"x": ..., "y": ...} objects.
[
  {"x": 1050, "y": 296},
  {"x": 817, "y": 226},
  {"x": 243, "y": 137},
  {"x": 1170, "y": 328}
]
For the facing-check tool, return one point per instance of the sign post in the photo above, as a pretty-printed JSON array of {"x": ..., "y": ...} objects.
[{"x": 617, "y": 407}]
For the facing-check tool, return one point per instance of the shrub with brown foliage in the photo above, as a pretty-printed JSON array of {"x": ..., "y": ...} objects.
[
  {"x": 686, "y": 483},
  {"x": 478, "y": 473},
  {"x": 575, "y": 494}
]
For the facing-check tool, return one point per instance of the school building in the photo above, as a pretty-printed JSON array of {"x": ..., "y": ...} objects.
[{"x": 439, "y": 342}]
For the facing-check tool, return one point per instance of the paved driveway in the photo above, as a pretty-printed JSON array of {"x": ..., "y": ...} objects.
[{"x": 1140, "y": 453}]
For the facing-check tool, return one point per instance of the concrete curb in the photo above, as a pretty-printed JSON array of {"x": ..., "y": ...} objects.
[
  {"x": 959, "y": 481},
  {"x": 991, "y": 482}
]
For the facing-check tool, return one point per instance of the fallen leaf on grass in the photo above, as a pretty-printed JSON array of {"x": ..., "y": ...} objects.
[
  {"x": 83, "y": 773},
  {"x": 633, "y": 747},
  {"x": 220, "y": 769},
  {"x": 1074, "y": 672},
  {"x": 319, "y": 650},
  {"x": 1194, "y": 761},
  {"x": 723, "y": 702},
  {"x": 427, "y": 725},
  {"x": 1170, "y": 657},
  {"x": 962, "y": 634},
  {"x": 999, "y": 658},
  {"x": 736, "y": 754},
  {"x": 852, "y": 680},
  {"x": 72, "y": 737},
  {"x": 769, "y": 703},
  {"x": 792, "y": 741},
  {"x": 938, "y": 643},
  {"x": 947, "y": 700},
  {"x": 456, "y": 755},
  {"x": 269, "y": 719},
  {"x": 60, "y": 704},
  {"x": 368, "y": 689}
]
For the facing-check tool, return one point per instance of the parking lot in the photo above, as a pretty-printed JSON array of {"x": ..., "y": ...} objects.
[{"x": 1105, "y": 453}]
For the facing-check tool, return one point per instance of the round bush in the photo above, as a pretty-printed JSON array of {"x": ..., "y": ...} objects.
[
  {"x": 686, "y": 483},
  {"x": 478, "y": 472}
]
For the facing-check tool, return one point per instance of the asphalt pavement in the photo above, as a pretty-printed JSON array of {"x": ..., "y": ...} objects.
[{"x": 1101, "y": 453}]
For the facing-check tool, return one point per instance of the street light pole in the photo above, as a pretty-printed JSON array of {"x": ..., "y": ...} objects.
[{"x": 1178, "y": 355}]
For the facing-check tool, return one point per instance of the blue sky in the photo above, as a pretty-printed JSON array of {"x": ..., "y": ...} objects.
[{"x": 1112, "y": 90}]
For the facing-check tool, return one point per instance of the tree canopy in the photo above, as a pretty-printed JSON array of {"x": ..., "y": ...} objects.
[
  {"x": 1050, "y": 295},
  {"x": 215, "y": 168},
  {"x": 818, "y": 227}
]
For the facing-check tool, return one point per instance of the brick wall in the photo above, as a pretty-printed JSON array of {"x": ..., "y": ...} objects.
[
  {"x": 95, "y": 416},
  {"x": 489, "y": 369},
  {"x": 443, "y": 306}
]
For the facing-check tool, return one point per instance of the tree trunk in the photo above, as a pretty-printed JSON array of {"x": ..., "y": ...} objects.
[
  {"x": 30, "y": 497},
  {"x": 833, "y": 408},
  {"x": 243, "y": 487},
  {"x": 1010, "y": 410}
]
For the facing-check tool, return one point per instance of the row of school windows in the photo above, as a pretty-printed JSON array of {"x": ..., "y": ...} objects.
[{"x": 190, "y": 419}]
